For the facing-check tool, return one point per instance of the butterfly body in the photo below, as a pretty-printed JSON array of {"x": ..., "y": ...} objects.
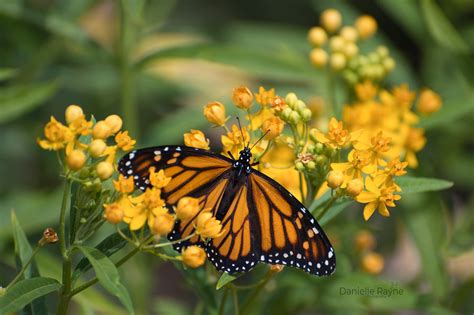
[{"x": 261, "y": 220}]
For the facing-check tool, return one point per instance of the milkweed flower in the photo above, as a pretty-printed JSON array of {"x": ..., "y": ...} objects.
[
  {"x": 337, "y": 137},
  {"x": 196, "y": 139},
  {"x": 104, "y": 170},
  {"x": 73, "y": 112},
  {"x": 163, "y": 221},
  {"x": 354, "y": 187},
  {"x": 233, "y": 140},
  {"x": 114, "y": 122},
  {"x": 187, "y": 208},
  {"x": 97, "y": 148},
  {"x": 57, "y": 136},
  {"x": 101, "y": 130},
  {"x": 207, "y": 226},
  {"x": 372, "y": 263},
  {"x": 429, "y": 102},
  {"x": 124, "y": 185},
  {"x": 331, "y": 19},
  {"x": 193, "y": 256},
  {"x": 366, "y": 26},
  {"x": 264, "y": 97},
  {"x": 274, "y": 126},
  {"x": 76, "y": 160},
  {"x": 124, "y": 141},
  {"x": 335, "y": 179},
  {"x": 113, "y": 213},
  {"x": 215, "y": 113},
  {"x": 158, "y": 179},
  {"x": 242, "y": 97},
  {"x": 377, "y": 197},
  {"x": 317, "y": 36}
]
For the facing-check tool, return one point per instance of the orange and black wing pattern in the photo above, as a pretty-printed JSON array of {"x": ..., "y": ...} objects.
[{"x": 194, "y": 173}]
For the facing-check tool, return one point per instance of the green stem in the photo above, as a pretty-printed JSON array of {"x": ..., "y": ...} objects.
[
  {"x": 94, "y": 280},
  {"x": 248, "y": 303},
  {"x": 327, "y": 207},
  {"x": 125, "y": 67},
  {"x": 235, "y": 299},
  {"x": 63, "y": 245},
  {"x": 23, "y": 269},
  {"x": 223, "y": 299}
]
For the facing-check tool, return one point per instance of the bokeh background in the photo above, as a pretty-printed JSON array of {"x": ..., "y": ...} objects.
[{"x": 157, "y": 63}]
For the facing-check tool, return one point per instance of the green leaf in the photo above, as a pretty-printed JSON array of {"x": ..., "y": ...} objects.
[
  {"x": 441, "y": 28},
  {"x": 337, "y": 208},
  {"x": 108, "y": 275},
  {"x": 225, "y": 279},
  {"x": 109, "y": 246},
  {"x": 26, "y": 291},
  {"x": 450, "y": 111},
  {"x": 7, "y": 73},
  {"x": 411, "y": 185},
  {"x": 17, "y": 100},
  {"x": 22, "y": 246}
]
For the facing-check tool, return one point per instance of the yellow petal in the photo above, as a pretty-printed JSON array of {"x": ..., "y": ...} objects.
[
  {"x": 369, "y": 210},
  {"x": 371, "y": 186},
  {"x": 366, "y": 197},
  {"x": 383, "y": 210},
  {"x": 340, "y": 166},
  {"x": 138, "y": 221},
  {"x": 321, "y": 137}
]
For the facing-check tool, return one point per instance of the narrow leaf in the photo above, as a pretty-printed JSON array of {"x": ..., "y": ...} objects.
[
  {"x": 334, "y": 211},
  {"x": 441, "y": 28},
  {"x": 22, "y": 246},
  {"x": 109, "y": 246},
  {"x": 26, "y": 291},
  {"x": 108, "y": 275},
  {"x": 17, "y": 100},
  {"x": 225, "y": 279},
  {"x": 411, "y": 185}
]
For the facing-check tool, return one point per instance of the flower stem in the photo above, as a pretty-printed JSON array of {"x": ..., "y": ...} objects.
[
  {"x": 223, "y": 299},
  {"x": 235, "y": 299},
  {"x": 248, "y": 303},
  {"x": 23, "y": 269},
  {"x": 66, "y": 272},
  {"x": 326, "y": 208}
]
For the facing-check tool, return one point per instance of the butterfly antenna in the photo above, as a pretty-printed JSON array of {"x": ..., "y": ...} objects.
[
  {"x": 259, "y": 139},
  {"x": 241, "y": 132}
]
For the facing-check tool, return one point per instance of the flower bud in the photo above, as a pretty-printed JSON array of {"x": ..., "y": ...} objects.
[
  {"x": 350, "y": 49},
  {"x": 101, "y": 130},
  {"x": 311, "y": 165},
  {"x": 429, "y": 102},
  {"x": 354, "y": 187},
  {"x": 114, "y": 122},
  {"x": 338, "y": 61},
  {"x": 285, "y": 114},
  {"x": 113, "y": 213},
  {"x": 388, "y": 64},
  {"x": 187, "y": 208},
  {"x": 291, "y": 99},
  {"x": 382, "y": 51},
  {"x": 337, "y": 43},
  {"x": 104, "y": 170},
  {"x": 215, "y": 113},
  {"x": 366, "y": 26},
  {"x": 349, "y": 33},
  {"x": 299, "y": 166},
  {"x": 274, "y": 126},
  {"x": 207, "y": 226},
  {"x": 335, "y": 179},
  {"x": 317, "y": 36},
  {"x": 75, "y": 160},
  {"x": 194, "y": 256},
  {"x": 294, "y": 118},
  {"x": 306, "y": 114},
  {"x": 124, "y": 185},
  {"x": 242, "y": 97},
  {"x": 318, "y": 148},
  {"x": 318, "y": 57},
  {"x": 321, "y": 159},
  {"x": 372, "y": 263},
  {"x": 163, "y": 224},
  {"x": 350, "y": 76},
  {"x": 73, "y": 112},
  {"x": 331, "y": 19},
  {"x": 364, "y": 241},
  {"x": 196, "y": 139},
  {"x": 97, "y": 148}
]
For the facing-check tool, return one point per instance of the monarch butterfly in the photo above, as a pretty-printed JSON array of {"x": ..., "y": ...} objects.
[{"x": 262, "y": 221}]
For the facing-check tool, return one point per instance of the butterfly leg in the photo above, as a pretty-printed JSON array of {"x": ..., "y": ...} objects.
[{"x": 230, "y": 154}]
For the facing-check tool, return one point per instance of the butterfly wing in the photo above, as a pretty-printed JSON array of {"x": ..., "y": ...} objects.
[
  {"x": 194, "y": 173},
  {"x": 289, "y": 234}
]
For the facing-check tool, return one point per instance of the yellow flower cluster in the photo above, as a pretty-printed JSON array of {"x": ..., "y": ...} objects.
[
  {"x": 391, "y": 113},
  {"x": 337, "y": 46},
  {"x": 81, "y": 139},
  {"x": 150, "y": 209}
]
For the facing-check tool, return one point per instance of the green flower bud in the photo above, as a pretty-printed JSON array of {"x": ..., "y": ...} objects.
[
  {"x": 319, "y": 148},
  {"x": 299, "y": 106},
  {"x": 291, "y": 99},
  {"x": 294, "y": 118},
  {"x": 382, "y": 51},
  {"x": 285, "y": 114},
  {"x": 306, "y": 115},
  {"x": 374, "y": 58},
  {"x": 299, "y": 166},
  {"x": 350, "y": 76},
  {"x": 388, "y": 64},
  {"x": 321, "y": 159},
  {"x": 311, "y": 148},
  {"x": 312, "y": 135},
  {"x": 311, "y": 165}
]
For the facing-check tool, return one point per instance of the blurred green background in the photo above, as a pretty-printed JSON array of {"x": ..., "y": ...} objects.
[{"x": 157, "y": 63}]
